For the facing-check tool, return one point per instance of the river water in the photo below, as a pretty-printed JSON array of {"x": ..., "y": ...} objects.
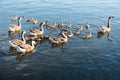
[{"x": 78, "y": 59}]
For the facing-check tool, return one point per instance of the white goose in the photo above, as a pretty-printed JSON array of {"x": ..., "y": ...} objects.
[
  {"x": 17, "y": 27},
  {"x": 25, "y": 47},
  {"x": 15, "y": 42},
  {"x": 107, "y": 28},
  {"x": 37, "y": 32}
]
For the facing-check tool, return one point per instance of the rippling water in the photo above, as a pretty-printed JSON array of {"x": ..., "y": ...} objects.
[{"x": 93, "y": 59}]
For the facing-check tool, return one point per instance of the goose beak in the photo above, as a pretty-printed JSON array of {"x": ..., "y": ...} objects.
[{"x": 112, "y": 16}]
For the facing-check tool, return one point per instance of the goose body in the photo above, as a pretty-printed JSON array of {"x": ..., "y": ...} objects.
[
  {"x": 68, "y": 25},
  {"x": 14, "y": 18},
  {"x": 15, "y": 42},
  {"x": 107, "y": 28},
  {"x": 78, "y": 30},
  {"x": 87, "y": 36},
  {"x": 70, "y": 34},
  {"x": 53, "y": 40},
  {"x": 25, "y": 47},
  {"x": 30, "y": 19},
  {"x": 15, "y": 28},
  {"x": 36, "y": 32},
  {"x": 35, "y": 21},
  {"x": 54, "y": 25},
  {"x": 87, "y": 26},
  {"x": 60, "y": 25},
  {"x": 59, "y": 40}
]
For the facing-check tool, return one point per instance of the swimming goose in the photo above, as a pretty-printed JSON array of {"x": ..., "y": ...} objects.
[
  {"x": 54, "y": 25},
  {"x": 25, "y": 47},
  {"x": 87, "y": 26},
  {"x": 87, "y": 36},
  {"x": 79, "y": 30},
  {"x": 66, "y": 32},
  {"x": 15, "y": 42},
  {"x": 36, "y": 32},
  {"x": 17, "y": 27},
  {"x": 70, "y": 34},
  {"x": 46, "y": 23},
  {"x": 68, "y": 25},
  {"x": 14, "y": 18},
  {"x": 107, "y": 28},
  {"x": 30, "y": 19},
  {"x": 59, "y": 40},
  {"x": 35, "y": 21},
  {"x": 60, "y": 25}
]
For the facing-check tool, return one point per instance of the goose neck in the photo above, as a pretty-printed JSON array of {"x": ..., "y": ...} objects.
[
  {"x": 64, "y": 35},
  {"x": 23, "y": 37},
  {"x": 19, "y": 22}
]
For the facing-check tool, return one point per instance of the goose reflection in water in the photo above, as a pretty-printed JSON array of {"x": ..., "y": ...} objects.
[
  {"x": 101, "y": 34},
  {"x": 21, "y": 55},
  {"x": 53, "y": 45},
  {"x": 11, "y": 33}
]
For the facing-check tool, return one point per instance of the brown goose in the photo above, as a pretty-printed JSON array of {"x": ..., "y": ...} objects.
[
  {"x": 15, "y": 42},
  {"x": 17, "y": 27},
  {"x": 37, "y": 32},
  {"x": 25, "y": 47},
  {"x": 107, "y": 28}
]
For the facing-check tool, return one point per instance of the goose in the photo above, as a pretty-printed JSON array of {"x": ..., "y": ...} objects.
[
  {"x": 67, "y": 32},
  {"x": 87, "y": 26},
  {"x": 46, "y": 23},
  {"x": 35, "y": 21},
  {"x": 23, "y": 48},
  {"x": 30, "y": 19},
  {"x": 53, "y": 26},
  {"x": 14, "y": 18},
  {"x": 59, "y": 40},
  {"x": 36, "y": 32},
  {"x": 79, "y": 30},
  {"x": 68, "y": 25},
  {"x": 17, "y": 27},
  {"x": 107, "y": 28},
  {"x": 70, "y": 34},
  {"x": 53, "y": 40},
  {"x": 87, "y": 36},
  {"x": 60, "y": 25},
  {"x": 15, "y": 42}
]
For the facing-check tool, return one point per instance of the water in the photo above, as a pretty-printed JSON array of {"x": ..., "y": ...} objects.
[{"x": 93, "y": 59}]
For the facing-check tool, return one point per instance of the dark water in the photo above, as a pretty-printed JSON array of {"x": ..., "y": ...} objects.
[{"x": 79, "y": 59}]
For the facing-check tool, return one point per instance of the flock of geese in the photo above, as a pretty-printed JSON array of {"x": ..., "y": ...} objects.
[{"x": 22, "y": 45}]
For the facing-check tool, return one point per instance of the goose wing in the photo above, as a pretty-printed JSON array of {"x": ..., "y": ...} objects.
[
  {"x": 17, "y": 42},
  {"x": 34, "y": 30},
  {"x": 26, "y": 46}
]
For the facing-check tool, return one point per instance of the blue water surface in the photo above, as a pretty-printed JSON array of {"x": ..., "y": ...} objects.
[{"x": 78, "y": 59}]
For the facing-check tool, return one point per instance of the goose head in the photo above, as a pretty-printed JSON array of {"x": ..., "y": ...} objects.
[
  {"x": 23, "y": 32},
  {"x": 20, "y": 17},
  {"x": 110, "y": 17},
  {"x": 33, "y": 42}
]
